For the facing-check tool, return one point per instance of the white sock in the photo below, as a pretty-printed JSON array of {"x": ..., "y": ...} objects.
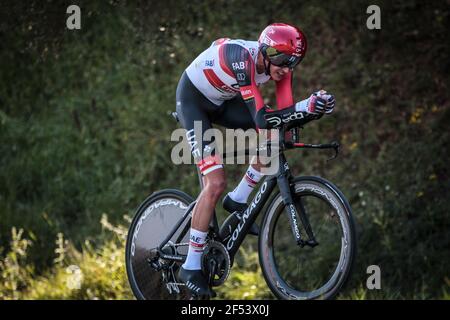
[
  {"x": 196, "y": 245},
  {"x": 246, "y": 186}
]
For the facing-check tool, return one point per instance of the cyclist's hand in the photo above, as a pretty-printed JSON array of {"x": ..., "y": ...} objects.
[
  {"x": 318, "y": 103},
  {"x": 330, "y": 100}
]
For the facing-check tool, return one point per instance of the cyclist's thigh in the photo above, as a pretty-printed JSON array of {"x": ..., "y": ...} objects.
[
  {"x": 235, "y": 115},
  {"x": 193, "y": 110},
  {"x": 191, "y": 105}
]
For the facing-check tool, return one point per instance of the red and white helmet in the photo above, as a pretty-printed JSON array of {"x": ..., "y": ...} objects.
[{"x": 283, "y": 44}]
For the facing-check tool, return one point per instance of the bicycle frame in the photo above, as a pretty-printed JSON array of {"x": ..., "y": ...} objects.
[
  {"x": 283, "y": 179},
  {"x": 240, "y": 231}
]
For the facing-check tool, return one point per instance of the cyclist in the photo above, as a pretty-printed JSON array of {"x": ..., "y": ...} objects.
[{"x": 221, "y": 86}]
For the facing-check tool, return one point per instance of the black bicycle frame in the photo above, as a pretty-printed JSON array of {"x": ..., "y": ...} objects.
[{"x": 283, "y": 178}]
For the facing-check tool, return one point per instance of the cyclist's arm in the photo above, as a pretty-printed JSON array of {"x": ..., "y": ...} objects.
[
  {"x": 286, "y": 109},
  {"x": 283, "y": 91},
  {"x": 241, "y": 64},
  {"x": 239, "y": 61}
]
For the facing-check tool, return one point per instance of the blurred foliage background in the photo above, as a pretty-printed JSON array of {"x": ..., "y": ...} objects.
[{"x": 85, "y": 135}]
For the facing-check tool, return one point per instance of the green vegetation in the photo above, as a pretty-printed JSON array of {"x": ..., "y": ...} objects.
[{"x": 85, "y": 135}]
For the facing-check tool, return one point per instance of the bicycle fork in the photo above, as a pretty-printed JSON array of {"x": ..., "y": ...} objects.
[{"x": 291, "y": 210}]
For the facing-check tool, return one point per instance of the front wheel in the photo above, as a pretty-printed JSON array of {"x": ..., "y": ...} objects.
[{"x": 319, "y": 272}]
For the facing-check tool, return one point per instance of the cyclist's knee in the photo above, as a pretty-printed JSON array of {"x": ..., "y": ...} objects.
[
  {"x": 216, "y": 186},
  {"x": 219, "y": 186}
]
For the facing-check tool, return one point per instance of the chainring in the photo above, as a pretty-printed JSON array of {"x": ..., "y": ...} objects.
[{"x": 216, "y": 254}]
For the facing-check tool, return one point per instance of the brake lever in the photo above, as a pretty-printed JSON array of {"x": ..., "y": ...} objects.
[{"x": 335, "y": 145}]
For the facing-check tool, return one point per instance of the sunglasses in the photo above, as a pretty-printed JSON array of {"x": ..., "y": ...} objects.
[
  {"x": 284, "y": 60},
  {"x": 281, "y": 59}
]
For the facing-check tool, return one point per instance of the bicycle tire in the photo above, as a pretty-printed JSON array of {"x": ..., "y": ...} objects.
[
  {"x": 146, "y": 232},
  {"x": 327, "y": 194}
]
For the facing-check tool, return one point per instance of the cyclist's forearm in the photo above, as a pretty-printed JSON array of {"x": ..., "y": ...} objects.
[{"x": 266, "y": 118}]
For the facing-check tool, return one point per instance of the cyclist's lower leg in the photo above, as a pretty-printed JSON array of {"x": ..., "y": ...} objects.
[
  {"x": 236, "y": 200},
  {"x": 251, "y": 178},
  {"x": 191, "y": 273}
]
